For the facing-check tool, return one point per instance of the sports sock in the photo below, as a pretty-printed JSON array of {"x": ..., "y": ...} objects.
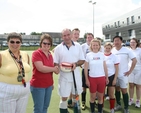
[
  {"x": 83, "y": 96},
  {"x": 118, "y": 96},
  {"x": 112, "y": 103},
  {"x": 125, "y": 100},
  {"x": 92, "y": 107},
  {"x": 99, "y": 108}
]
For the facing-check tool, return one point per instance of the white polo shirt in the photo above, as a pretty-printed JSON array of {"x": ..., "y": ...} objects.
[
  {"x": 111, "y": 61},
  {"x": 124, "y": 54},
  {"x": 71, "y": 55},
  {"x": 96, "y": 65}
]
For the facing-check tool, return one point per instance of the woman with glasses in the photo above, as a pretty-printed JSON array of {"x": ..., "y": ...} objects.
[
  {"x": 42, "y": 75},
  {"x": 135, "y": 76},
  {"x": 14, "y": 69}
]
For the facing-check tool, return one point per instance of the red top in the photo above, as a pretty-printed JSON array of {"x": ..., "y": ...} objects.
[{"x": 39, "y": 79}]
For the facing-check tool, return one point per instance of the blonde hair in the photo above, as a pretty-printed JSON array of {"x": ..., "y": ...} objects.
[
  {"x": 108, "y": 44},
  {"x": 95, "y": 40}
]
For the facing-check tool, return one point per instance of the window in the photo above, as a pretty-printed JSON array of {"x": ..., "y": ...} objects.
[
  {"x": 117, "y": 33},
  {"x": 107, "y": 36},
  {"x": 138, "y": 17},
  {"x": 118, "y": 23},
  {"x": 130, "y": 32},
  {"x": 132, "y": 19},
  {"x": 115, "y": 24},
  {"x": 127, "y": 21}
]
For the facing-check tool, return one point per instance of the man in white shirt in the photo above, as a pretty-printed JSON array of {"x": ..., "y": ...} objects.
[
  {"x": 70, "y": 52},
  {"x": 124, "y": 54}
]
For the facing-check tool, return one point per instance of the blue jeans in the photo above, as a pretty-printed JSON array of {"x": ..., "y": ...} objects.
[{"x": 41, "y": 98}]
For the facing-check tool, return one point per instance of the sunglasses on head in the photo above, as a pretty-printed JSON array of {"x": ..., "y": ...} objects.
[
  {"x": 13, "y": 42},
  {"x": 45, "y": 43}
]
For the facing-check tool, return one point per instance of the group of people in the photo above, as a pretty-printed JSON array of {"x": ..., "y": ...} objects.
[{"x": 101, "y": 66}]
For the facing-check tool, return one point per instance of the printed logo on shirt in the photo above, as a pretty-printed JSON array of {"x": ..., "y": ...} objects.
[{"x": 96, "y": 58}]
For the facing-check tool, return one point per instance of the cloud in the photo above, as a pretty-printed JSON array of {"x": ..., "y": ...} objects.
[{"x": 54, "y": 15}]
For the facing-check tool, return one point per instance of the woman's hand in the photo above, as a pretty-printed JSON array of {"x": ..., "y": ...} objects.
[
  {"x": 88, "y": 83},
  {"x": 107, "y": 80},
  {"x": 56, "y": 70}
]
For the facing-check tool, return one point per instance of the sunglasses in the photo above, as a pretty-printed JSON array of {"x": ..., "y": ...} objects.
[
  {"x": 13, "y": 42},
  {"x": 45, "y": 43}
]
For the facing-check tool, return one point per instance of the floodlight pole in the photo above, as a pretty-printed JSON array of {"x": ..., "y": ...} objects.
[{"x": 93, "y": 3}]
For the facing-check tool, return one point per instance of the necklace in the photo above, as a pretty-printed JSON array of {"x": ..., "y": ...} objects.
[{"x": 20, "y": 67}]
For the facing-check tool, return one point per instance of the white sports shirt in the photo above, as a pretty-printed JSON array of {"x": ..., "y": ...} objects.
[
  {"x": 70, "y": 55},
  {"x": 124, "y": 54},
  {"x": 111, "y": 61},
  {"x": 137, "y": 53},
  {"x": 96, "y": 66}
]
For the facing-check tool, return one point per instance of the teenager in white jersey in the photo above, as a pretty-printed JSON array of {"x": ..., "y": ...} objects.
[
  {"x": 112, "y": 66},
  {"x": 75, "y": 38},
  {"x": 86, "y": 49},
  {"x": 98, "y": 75},
  {"x": 135, "y": 76},
  {"x": 70, "y": 52},
  {"x": 124, "y": 54}
]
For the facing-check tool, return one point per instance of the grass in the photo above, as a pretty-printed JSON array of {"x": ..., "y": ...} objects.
[{"x": 54, "y": 104}]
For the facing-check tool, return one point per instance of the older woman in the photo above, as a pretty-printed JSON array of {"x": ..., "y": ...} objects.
[
  {"x": 42, "y": 80},
  {"x": 14, "y": 69}
]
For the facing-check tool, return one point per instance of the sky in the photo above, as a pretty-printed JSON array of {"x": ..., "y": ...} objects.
[{"x": 54, "y": 15}]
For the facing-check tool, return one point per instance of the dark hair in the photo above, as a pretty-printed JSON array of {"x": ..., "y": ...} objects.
[
  {"x": 118, "y": 37},
  {"x": 135, "y": 41},
  {"x": 14, "y": 35},
  {"x": 89, "y": 34},
  {"x": 75, "y": 29},
  {"x": 45, "y": 36}
]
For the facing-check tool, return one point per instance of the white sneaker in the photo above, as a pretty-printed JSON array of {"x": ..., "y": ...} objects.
[
  {"x": 112, "y": 111},
  {"x": 107, "y": 98},
  {"x": 137, "y": 104},
  {"x": 117, "y": 107},
  {"x": 131, "y": 101}
]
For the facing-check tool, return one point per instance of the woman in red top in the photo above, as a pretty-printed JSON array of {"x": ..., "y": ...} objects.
[{"x": 42, "y": 80}]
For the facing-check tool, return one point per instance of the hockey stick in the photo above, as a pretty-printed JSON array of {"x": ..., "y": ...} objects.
[{"x": 77, "y": 102}]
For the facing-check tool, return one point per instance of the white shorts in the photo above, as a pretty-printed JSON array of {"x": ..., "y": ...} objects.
[
  {"x": 65, "y": 88},
  {"x": 135, "y": 77},
  {"x": 122, "y": 81},
  {"x": 13, "y": 98}
]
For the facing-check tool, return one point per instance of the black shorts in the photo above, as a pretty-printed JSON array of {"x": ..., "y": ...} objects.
[
  {"x": 83, "y": 79},
  {"x": 111, "y": 78}
]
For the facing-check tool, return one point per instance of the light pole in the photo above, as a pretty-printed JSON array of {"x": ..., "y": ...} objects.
[{"x": 93, "y": 3}]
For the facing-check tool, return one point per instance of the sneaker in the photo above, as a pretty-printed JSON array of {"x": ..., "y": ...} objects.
[
  {"x": 137, "y": 105},
  {"x": 117, "y": 107},
  {"x": 112, "y": 111},
  {"x": 107, "y": 98},
  {"x": 83, "y": 106},
  {"x": 131, "y": 101},
  {"x": 126, "y": 111}
]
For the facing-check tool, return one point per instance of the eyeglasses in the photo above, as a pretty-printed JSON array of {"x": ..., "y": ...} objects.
[
  {"x": 45, "y": 43},
  {"x": 13, "y": 42}
]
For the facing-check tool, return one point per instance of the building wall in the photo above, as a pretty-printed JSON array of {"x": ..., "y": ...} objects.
[{"x": 127, "y": 26}]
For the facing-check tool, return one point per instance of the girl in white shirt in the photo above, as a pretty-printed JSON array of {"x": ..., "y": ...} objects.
[
  {"x": 98, "y": 76},
  {"x": 112, "y": 66}
]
